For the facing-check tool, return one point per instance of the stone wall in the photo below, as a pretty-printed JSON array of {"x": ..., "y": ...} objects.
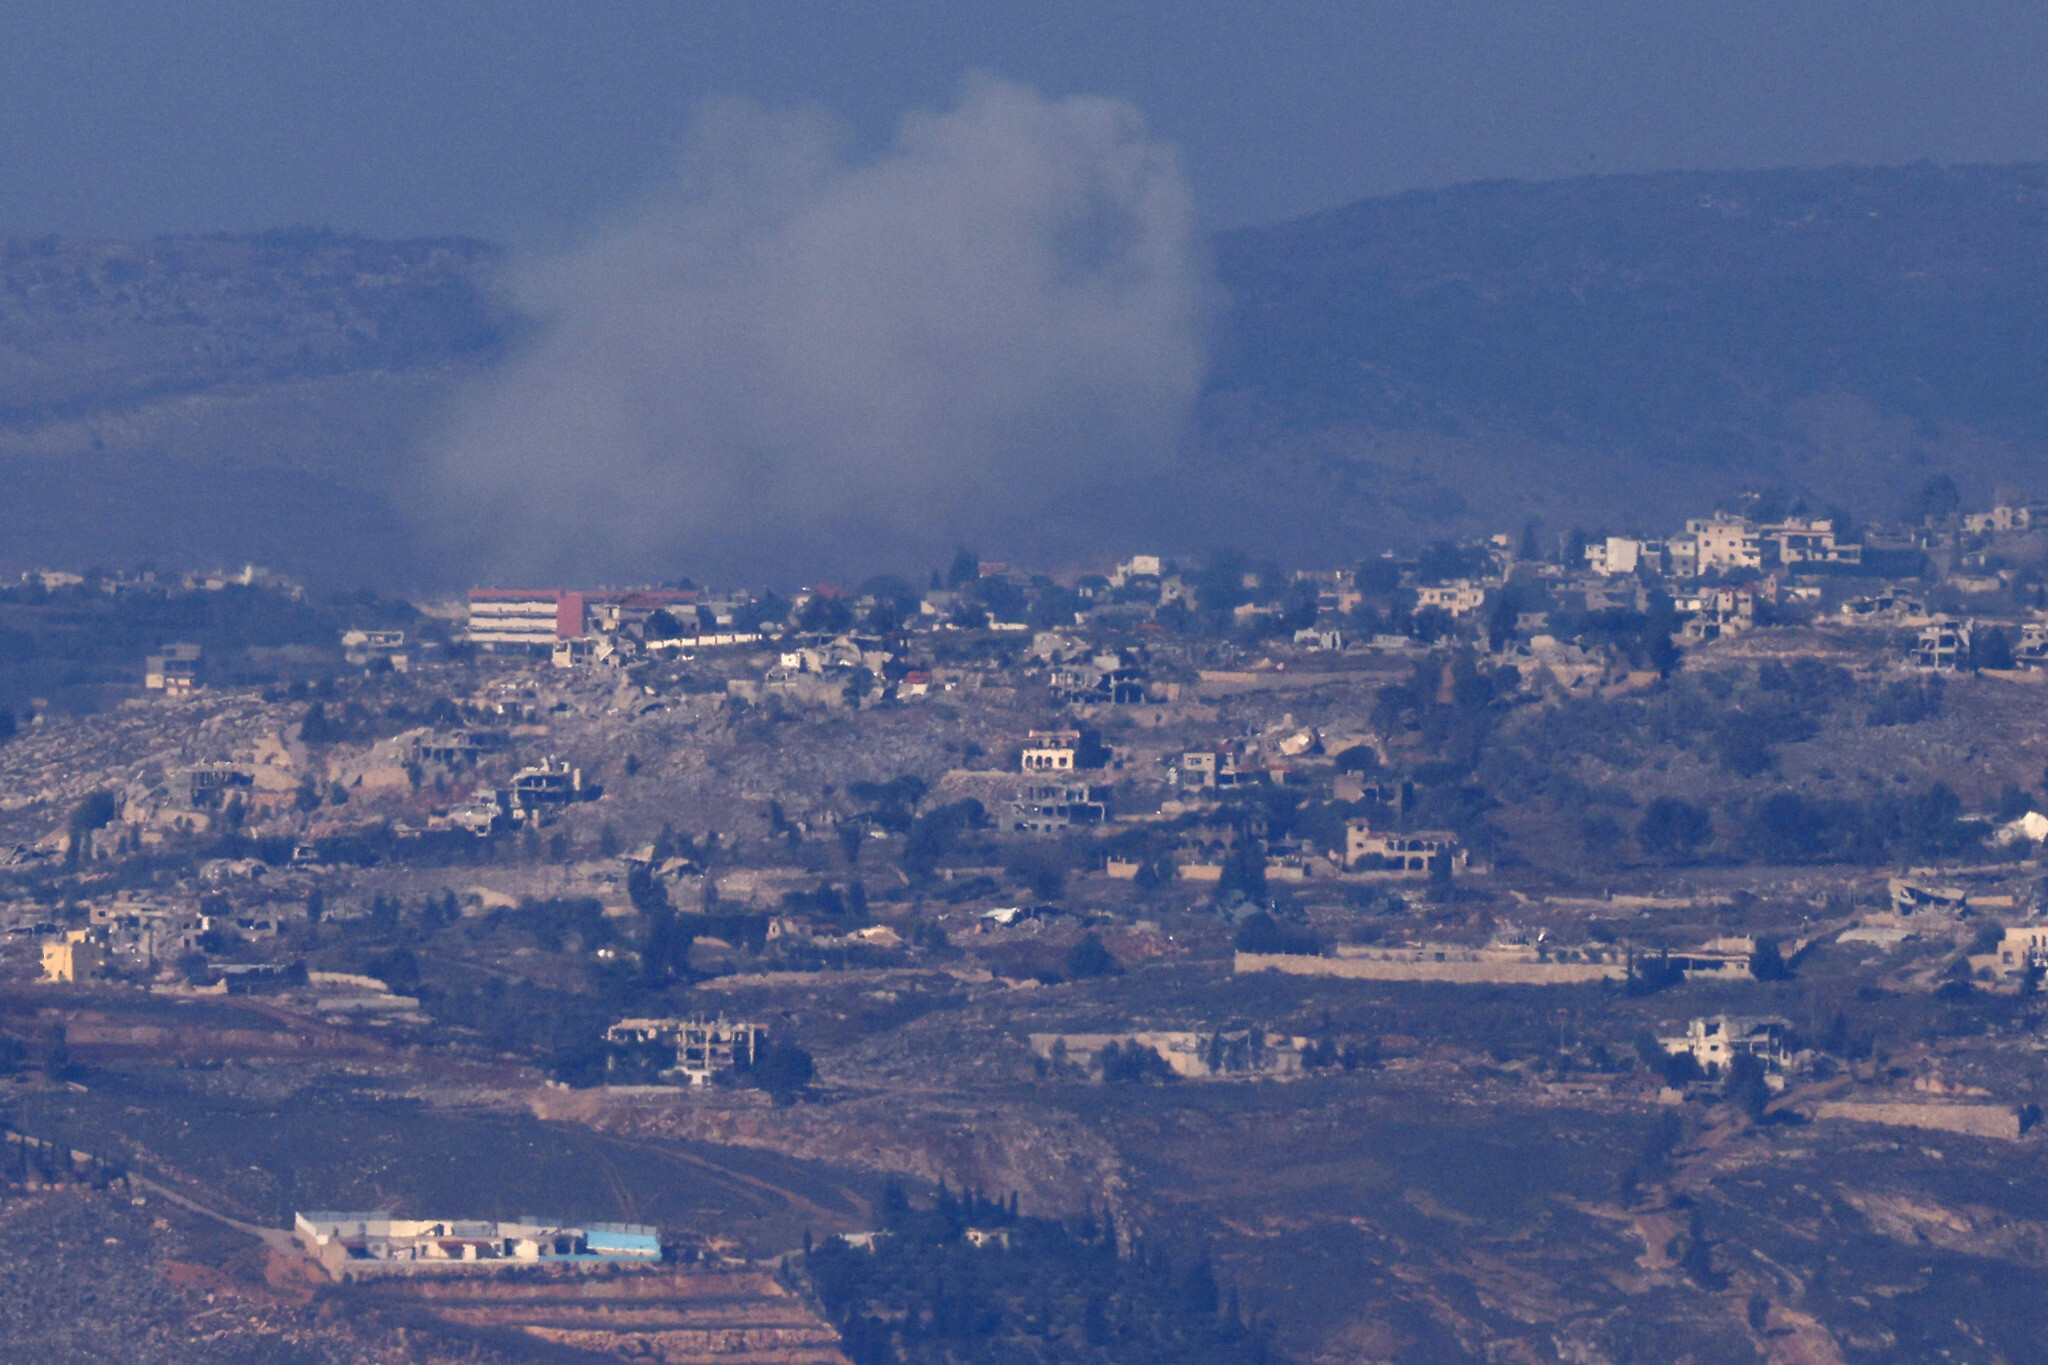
[
  {"x": 1468, "y": 972},
  {"x": 1977, "y": 1120}
]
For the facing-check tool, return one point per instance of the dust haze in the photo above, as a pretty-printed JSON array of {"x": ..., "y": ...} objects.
[{"x": 796, "y": 360}]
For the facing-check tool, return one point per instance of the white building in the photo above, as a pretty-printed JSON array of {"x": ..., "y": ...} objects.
[
  {"x": 1137, "y": 566},
  {"x": 1715, "y": 1041},
  {"x": 353, "y": 1244},
  {"x": 511, "y": 618},
  {"x": 1620, "y": 555},
  {"x": 1050, "y": 751}
]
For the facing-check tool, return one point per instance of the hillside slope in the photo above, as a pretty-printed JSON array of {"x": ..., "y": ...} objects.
[
  {"x": 1612, "y": 350},
  {"x": 1621, "y": 346},
  {"x": 204, "y": 400}
]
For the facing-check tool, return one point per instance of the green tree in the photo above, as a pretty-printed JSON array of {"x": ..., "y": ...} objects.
[
  {"x": 1674, "y": 831},
  {"x": 1936, "y": 500},
  {"x": 782, "y": 1069},
  {"x": 1990, "y": 647},
  {"x": 1746, "y": 1088},
  {"x": 95, "y": 812},
  {"x": 1244, "y": 872},
  {"x": 966, "y": 568},
  {"x": 1089, "y": 959}
]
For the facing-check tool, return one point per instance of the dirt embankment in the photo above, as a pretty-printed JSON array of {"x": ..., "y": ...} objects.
[
  {"x": 1052, "y": 1162},
  {"x": 682, "y": 1317}
]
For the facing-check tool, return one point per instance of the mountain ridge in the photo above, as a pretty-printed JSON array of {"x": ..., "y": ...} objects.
[{"x": 1607, "y": 350}]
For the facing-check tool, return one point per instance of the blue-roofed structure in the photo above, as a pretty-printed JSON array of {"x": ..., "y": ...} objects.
[{"x": 351, "y": 1244}]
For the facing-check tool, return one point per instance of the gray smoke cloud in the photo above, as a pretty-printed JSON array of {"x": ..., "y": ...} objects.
[{"x": 792, "y": 360}]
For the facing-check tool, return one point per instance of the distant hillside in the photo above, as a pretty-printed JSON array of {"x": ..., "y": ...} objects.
[
  {"x": 202, "y": 400},
  {"x": 1619, "y": 346},
  {"x": 1614, "y": 350}
]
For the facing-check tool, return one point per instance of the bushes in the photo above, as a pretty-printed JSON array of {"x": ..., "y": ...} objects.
[
  {"x": 1133, "y": 1063},
  {"x": 1089, "y": 959},
  {"x": 1905, "y": 703},
  {"x": 1261, "y": 933},
  {"x": 934, "y": 834},
  {"x": 1052, "y": 1290},
  {"x": 398, "y": 969},
  {"x": 1673, "y": 830},
  {"x": 782, "y": 1069},
  {"x": 1789, "y": 828}
]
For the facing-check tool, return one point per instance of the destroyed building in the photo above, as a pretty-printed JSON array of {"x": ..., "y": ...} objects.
[{"x": 680, "y": 1051}]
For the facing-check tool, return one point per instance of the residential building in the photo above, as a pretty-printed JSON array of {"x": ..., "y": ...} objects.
[
  {"x": 513, "y": 618},
  {"x": 2031, "y": 649},
  {"x": 1885, "y": 606},
  {"x": 1806, "y": 541},
  {"x": 360, "y": 647},
  {"x": 1050, "y": 751},
  {"x": 1711, "y": 613},
  {"x": 1724, "y": 543},
  {"x": 1715, "y": 1041},
  {"x": 206, "y": 785},
  {"x": 613, "y": 612},
  {"x": 550, "y": 782},
  {"x": 2024, "y": 948},
  {"x": 1048, "y": 809},
  {"x": 1370, "y": 850},
  {"x": 1619, "y": 555},
  {"x": 1718, "y": 959},
  {"x": 174, "y": 672},
  {"x": 681, "y": 1051},
  {"x": 1943, "y": 646},
  {"x": 74, "y": 957},
  {"x": 1197, "y": 768},
  {"x": 1137, "y": 566},
  {"x": 2010, "y": 511},
  {"x": 1459, "y": 598}
]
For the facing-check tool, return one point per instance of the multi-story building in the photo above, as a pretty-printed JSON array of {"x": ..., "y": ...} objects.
[
  {"x": 1051, "y": 751},
  {"x": 1715, "y": 1041},
  {"x": 1460, "y": 598},
  {"x": 1050, "y": 808},
  {"x": 1619, "y": 555},
  {"x": 1369, "y": 850},
  {"x": 535, "y": 618},
  {"x": 1723, "y": 543},
  {"x": 515, "y": 618},
  {"x": 682, "y": 1051},
  {"x": 1806, "y": 541},
  {"x": 175, "y": 672},
  {"x": 74, "y": 957},
  {"x": 1943, "y": 646}
]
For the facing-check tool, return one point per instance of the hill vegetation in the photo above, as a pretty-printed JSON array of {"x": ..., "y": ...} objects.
[{"x": 1624, "y": 349}]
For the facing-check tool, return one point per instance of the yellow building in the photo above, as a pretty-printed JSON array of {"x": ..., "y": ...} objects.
[{"x": 73, "y": 957}]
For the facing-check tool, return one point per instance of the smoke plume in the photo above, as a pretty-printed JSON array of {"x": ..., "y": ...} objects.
[{"x": 793, "y": 361}]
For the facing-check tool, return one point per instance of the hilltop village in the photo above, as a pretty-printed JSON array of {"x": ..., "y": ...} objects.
[{"x": 1055, "y": 919}]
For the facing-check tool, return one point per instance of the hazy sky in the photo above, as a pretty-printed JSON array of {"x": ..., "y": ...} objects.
[{"x": 520, "y": 119}]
